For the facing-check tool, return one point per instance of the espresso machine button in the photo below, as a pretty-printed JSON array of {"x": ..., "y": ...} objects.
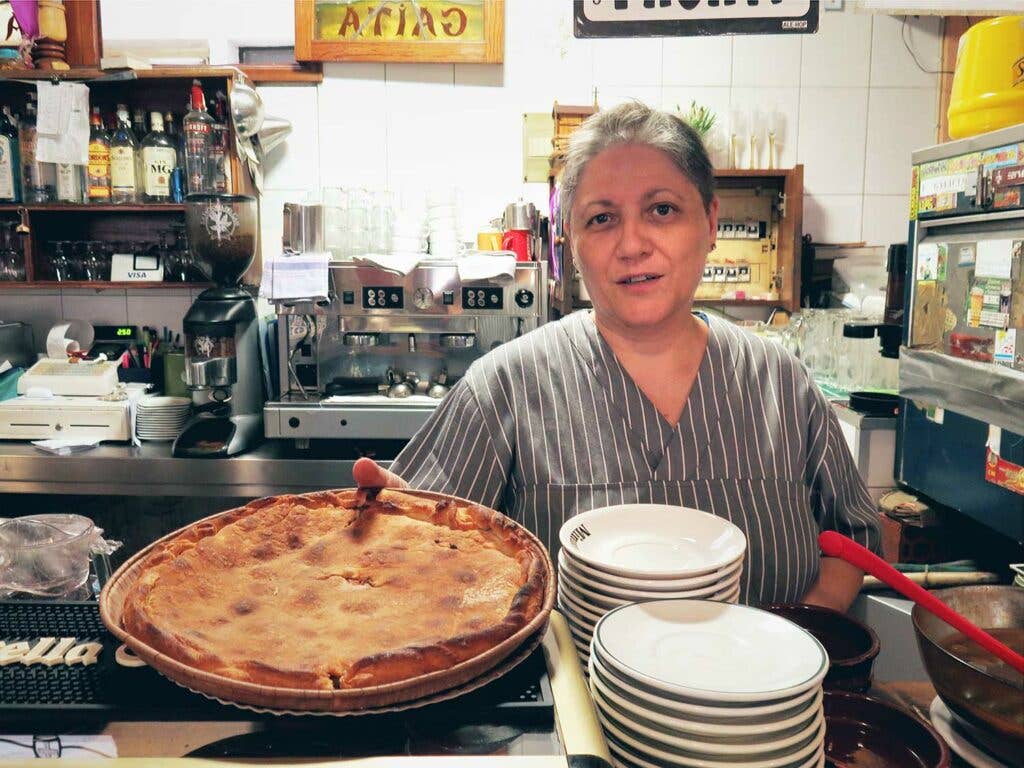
[
  {"x": 524, "y": 298},
  {"x": 293, "y": 422},
  {"x": 448, "y": 297},
  {"x": 348, "y": 297}
]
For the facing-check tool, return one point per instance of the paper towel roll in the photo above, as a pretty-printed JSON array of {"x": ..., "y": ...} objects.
[{"x": 69, "y": 336}]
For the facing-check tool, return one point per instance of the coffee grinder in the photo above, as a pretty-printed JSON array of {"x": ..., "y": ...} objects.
[{"x": 223, "y": 366}]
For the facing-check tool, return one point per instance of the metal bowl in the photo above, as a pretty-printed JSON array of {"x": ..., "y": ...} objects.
[{"x": 985, "y": 701}]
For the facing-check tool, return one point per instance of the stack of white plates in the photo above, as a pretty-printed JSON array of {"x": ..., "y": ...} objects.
[
  {"x": 702, "y": 684},
  {"x": 630, "y": 553},
  {"x": 161, "y": 417}
]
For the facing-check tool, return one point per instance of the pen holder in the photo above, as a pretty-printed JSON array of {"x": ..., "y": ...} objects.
[{"x": 174, "y": 372}]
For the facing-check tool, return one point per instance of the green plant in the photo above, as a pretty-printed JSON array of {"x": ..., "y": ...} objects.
[{"x": 701, "y": 119}]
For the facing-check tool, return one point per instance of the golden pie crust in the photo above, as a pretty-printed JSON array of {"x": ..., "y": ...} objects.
[{"x": 339, "y": 589}]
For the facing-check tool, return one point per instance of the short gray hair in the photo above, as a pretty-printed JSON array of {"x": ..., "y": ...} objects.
[{"x": 636, "y": 123}]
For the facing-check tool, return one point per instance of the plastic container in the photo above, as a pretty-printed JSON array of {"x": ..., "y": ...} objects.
[
  {"x": 48, "y": 555},
  {"x": 988, "y": 84}
]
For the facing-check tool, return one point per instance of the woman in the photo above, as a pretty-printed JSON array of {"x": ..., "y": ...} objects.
[{"x": 641, "y": 400}]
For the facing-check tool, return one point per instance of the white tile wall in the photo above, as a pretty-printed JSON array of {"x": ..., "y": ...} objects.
[
  {"x": 885, "y": 219},
  {"x": 892, "y": 64},
  {"x": 766, "y": 106},
  {"x": 40, "y": 309},
  {"x": 840, "y": 53},
  {"x": 697, "y": 61},
  {"x": 833, "y": 218},
  {"x": 766, "y": 60},
  {"x": 832, "y": 131},
  {"x": 103, "y": 307},
  {"x": 631, "y": 61},
  {"x": 890, "y": 142},
  {"x": 296, "y": 162},
  {"x": 158, "y": 308}
]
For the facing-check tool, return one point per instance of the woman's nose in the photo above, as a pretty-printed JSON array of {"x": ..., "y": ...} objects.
[{"x": 634, "y": 242}]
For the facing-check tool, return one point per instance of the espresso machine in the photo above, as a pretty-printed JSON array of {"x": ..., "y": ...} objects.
[
  {"x": 372, "y": 362},
  {"x": 223, "y": 368}
]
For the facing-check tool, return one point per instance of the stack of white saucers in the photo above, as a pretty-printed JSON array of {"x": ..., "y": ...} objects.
[
  {"x": 161, "y": 417},
  {"x": 701, "y": 684},
  {"x": 630, "y": 553}
]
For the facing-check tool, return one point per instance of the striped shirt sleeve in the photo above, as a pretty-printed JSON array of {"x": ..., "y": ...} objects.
[
  {"x": 839, "y": 497},
  {"x": 456, "y": 451}
]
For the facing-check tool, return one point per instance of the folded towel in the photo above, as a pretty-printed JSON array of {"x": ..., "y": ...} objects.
[
  {"x": 401, "y": 263},
  {"x": 484, "y": 266},
  {"x": 303, "y": 276}
]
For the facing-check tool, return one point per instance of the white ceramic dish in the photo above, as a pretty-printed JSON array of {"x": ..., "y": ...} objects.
[
  {"x": 717, "y": 712},
  {"x": 749, "y": 746},
  {"x": 656, "y": 753},
  {"x": 942, "y": 719},
  {"x": 619, "y": 596},
  {"x": 657, "y": 717},
  {"x": 652, "y": 541},
  {"x": 164, "y": 401},
  {"x": 733, "y": 652},
  {"x": 610, "y": 584},
  {"x": 596, "y": 605},
  {"x": 625, "y": 757}
]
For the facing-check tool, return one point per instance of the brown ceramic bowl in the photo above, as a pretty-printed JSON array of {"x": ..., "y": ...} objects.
[
  {"x": 862, "y": 732},
  {"x": 851, "y": 645}
]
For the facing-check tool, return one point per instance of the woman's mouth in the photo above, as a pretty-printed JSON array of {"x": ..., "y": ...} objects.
[{"x": 645, "y": 278}]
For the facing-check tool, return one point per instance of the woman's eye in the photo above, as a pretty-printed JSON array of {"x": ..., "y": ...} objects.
[
  {"x": 664, "y": 209},
  {"x": 601, "y": 218}
]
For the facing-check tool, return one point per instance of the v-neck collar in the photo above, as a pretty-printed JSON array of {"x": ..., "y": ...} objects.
[{"x": 641, "y": 416}]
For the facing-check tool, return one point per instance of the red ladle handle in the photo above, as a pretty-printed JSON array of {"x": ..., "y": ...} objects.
[{"x": 837, "y": 545}]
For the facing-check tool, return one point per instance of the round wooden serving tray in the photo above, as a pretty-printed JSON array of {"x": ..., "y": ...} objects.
[{"x": 418, "y": 691}]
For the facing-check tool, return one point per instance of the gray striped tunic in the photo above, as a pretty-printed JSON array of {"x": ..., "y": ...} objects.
[{"x": 550, "y": 425}]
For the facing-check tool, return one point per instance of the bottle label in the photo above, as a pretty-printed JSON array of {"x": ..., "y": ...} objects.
[
  {"x": 68, "y": 183},
  {"x": 99, "y": 171},
  {"x": 122, "y": 169},
  {"x": 6, "y": 170},
  {"x": 159, "y": 162}
]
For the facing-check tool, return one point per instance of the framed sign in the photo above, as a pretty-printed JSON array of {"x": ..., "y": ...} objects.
[
  {"x": 464, "y": 31},
  {"x": 691, "y": 18}
]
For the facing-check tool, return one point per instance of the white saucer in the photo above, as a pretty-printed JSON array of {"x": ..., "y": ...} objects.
[
  {"x": 942, "y": 720},
  {"x": 620, "y": 596},
  {"x": 652, "y": 540},
  {"x": 689, "y": 708},
  {"x": 732, "y": 652},
  {"x": 580, "y": 568}
]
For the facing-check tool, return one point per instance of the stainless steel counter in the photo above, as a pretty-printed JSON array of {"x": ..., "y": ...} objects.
[{"x": 150, "y": 470}]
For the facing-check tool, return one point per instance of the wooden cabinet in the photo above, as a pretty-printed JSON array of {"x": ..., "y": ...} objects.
[
  {"x": 165, "y": 89},
  {"x": 757, "y": 258}
]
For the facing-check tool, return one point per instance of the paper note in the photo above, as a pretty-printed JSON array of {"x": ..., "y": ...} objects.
[
  {"x": 63, "y": 135},
  {"x": 993, "y": 258},
  {"x": 1006, "y": 346},
  {"x": 927, "y": 261}
]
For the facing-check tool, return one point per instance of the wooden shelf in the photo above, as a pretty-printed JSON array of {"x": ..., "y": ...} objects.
[
  {"x": 114, "y": 75},
  {"x": 95, "y": 207},
  {"x": 98, "y": 285}
]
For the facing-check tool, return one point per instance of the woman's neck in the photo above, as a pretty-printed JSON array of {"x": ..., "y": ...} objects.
[{"x": 673, "y": 346}]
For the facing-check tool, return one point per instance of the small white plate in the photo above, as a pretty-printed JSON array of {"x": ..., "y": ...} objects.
[
  {"x": 710, "y": 650},
  {"x": 652, "y": 540},
  {"x": 581, "y": 609},
  {"x": 614, "y": 596},
  {"x": 755, "y": 745},
  {"x": 655, "y": 752},
  {"x": 703, "y": 728},
  {"x": 595, "y": 606},
  {"x": 607, "y": 582},
  {"x": 165, "y": 401},
  {"x": 625, "y": 757},
  {"x": 696, "y": 708},
  {"x": 942, "y": 719}
]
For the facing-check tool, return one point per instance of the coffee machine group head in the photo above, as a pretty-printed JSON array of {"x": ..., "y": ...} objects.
[{"x": 223, "y": 363}]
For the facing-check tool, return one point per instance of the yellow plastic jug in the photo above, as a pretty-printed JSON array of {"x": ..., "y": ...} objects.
[{"x": 988, "y": 82}]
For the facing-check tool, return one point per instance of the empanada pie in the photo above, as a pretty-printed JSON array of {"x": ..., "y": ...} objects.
[{"x": 338, "y": 590}]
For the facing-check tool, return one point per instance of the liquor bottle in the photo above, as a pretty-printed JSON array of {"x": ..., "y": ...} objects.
[
  {"x": 124, "y": 161},
  {"x": 197, "y": 128},
  {"x": 38, "y": 180},
  {"x": 178, "y": 174},
  {"x": 99, "y": 160},
  {"x": 220, "y": 166},
  {"x": 139, "y": 125},
  {"x": 159, "y": 158},
  {"x": 72, "y": 182},
  {"x": 10, "y": 159}
]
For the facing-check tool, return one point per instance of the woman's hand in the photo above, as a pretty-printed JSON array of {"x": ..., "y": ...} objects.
[{"x": 369, "y": 474}]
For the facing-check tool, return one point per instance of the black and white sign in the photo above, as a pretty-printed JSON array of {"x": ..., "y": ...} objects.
[{"x": 691, "y": 18}]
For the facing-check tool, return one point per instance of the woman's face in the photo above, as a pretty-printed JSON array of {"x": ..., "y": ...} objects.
[{"x": 639, "y": 234}]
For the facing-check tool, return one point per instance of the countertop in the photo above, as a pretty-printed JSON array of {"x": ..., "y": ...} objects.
[{"x": 150, "y": 470}]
